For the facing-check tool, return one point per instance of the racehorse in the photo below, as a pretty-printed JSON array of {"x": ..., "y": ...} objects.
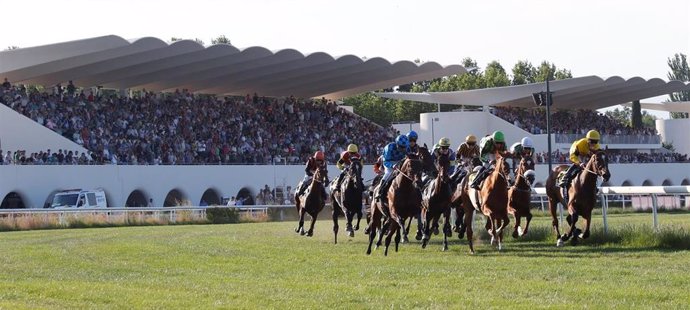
[
  {"x": 312, "y": 201},
  {"x": 348, "y": 200},
  {"x": 436, "y": 201},
  {"x": 428, "y": 168},
  {"x": 520, "y": 195},
  {"x": 582, "y": 193},
  {"x": 492, "y": 200},
  {"x": 403, "y": 201}
]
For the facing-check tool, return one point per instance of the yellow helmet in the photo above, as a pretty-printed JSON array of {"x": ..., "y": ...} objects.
[
  {"x": 593, "y": 135},
  {"x": 471, "y": 139},
  {"x": 444, "y": 142},
  {"x": 352, "y": 148}
]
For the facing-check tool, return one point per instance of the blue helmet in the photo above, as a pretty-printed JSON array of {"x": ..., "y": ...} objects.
[
  {"x": 412, "y": 135},
  {"x": 402, "y": 141}
]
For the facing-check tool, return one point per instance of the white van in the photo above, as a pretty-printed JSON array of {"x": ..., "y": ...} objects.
[{"x": 77, "y": 198}]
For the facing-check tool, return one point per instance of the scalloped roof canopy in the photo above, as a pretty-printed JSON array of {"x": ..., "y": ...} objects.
[
  {"x": 588, "y": 92},
  {"x": 151, "y": 64}
]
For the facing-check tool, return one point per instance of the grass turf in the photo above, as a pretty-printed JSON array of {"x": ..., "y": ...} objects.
[{"x": 267, "y": 265}]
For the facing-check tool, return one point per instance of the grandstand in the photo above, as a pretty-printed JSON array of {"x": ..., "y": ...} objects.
[{"x": 180, "y": 110}]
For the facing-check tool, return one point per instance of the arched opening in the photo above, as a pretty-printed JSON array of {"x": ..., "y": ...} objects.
[
  {"x": 49, "y": 199},
  {"x": 210, "y": 198},
  {"x": 12, "y": 201},
  {"x": 538, "y": 184},
  {"x": 647, "y": 183},
  {"x": 685, "y": 182},
  {"x": 136, "y": 199},
  {"x": 667, "y": 182},
  {"x": 626, "y": 183},
  {"x": 245, "y": 197},
  {"x": 176, "y": 198},
  {"x": 607, "y": 183}
]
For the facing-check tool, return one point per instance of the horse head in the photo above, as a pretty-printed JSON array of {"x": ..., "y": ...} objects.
[
  {"x": 526, "y": 163},
  {"x": 320, "y": 175},
  {"x": 412, "y": 169},
  {"x": 426, "y": 159},
  {"x": 501, "y": 167},
  {"x": 442, "y": 164},
  {"x": 600, "y": 164},
  {"x": 354, "y": 172}
]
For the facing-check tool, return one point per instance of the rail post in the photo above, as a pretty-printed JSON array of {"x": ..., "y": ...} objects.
[{"x": 655, "y": 215}]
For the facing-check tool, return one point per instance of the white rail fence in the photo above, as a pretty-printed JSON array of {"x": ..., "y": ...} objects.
[{"x": 652, "y": 194}]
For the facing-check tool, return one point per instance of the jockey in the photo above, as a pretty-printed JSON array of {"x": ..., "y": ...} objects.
[
  {"x": 318, "y": 161},
  {"x": 344, "y": 162},
  {"x": 579, "y": 155},
  {"x": 443, "y": 147},
  {"x": 412, "y": 136},
  {"x": 393, "y": 153},
  {"x": 490, "y": 146},
  {"x": 522, "y": 149},
  {"x": 467, "y": 151}
]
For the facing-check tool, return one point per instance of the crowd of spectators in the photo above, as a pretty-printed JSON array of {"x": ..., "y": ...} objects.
[
  {"x": 559, "y": 157},
  {"x": 567, "y": 122},
  {"x": 185, "y": 128}
]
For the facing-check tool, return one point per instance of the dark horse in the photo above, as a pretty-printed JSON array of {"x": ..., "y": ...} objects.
[
  {"x": 312, "y": 201},
  {"x": 583, "y": 193},
  {"x": 403, "y": 201},
  {"x": 348, "y": 200},
  {"x": 436, "y": 202},
  {"x": 428, "y": 168},
  {"x": 520, "y": 195}
]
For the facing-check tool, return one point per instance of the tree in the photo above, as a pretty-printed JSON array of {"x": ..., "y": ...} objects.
[
  {"x": 648, "y": 120},
  {"x": 562, "y": 74},
  {"x": 636, "y": 117},
  {"x": 546, "y": 69},
  {"x": 197, "y": 40},
  {"x": 222, "y": 39},
  {"x": 495, "y": 75},
  {"x": 12, "y": 47},
  {"x": 621, "y": 116},
  {"x": 681, "y": 72},
  {"x": 523, "y": 73}
]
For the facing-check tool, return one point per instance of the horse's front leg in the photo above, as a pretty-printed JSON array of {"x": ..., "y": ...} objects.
[
  {"x": 553, "y": 209},
  {"x": 529, "y": 219},
  {"x": 572, "y": 232},
  {"x": 300, "y": 224},
  {"x": 447, "y": 230},
  {"x": 588, "y": 220},
  {"x": 426, "y": 220},
  {"x": 349, "y": 215},
  {"x": 469, "y": 217},
  {"x": 516, "y": 227},
  {"x": 359, "y": 218},
  {"x": 311, "y": 227},
  {"x": 335, "y": 223}
]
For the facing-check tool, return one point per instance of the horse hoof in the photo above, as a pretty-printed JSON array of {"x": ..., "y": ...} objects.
[
  {"x": 435, "y": 231},
  {"x": 405, "y": 239},
  {"x": 515, "y": 234},
  {"x": 297, "y": 230},
  {"x": 366, "y": 231},
  {"x": 310, "y": 233},
  {"x": 494, "y": 242},
  {"x": 461, "y": 235},
  {"x": 350, "y": 234},
  {"x": 456, "y": 229},
  {"x": 423, "y": 245},
  {"x": 418, "y": 236},
  {"x": 573, "y": 241},
  {"x": 559, "y": 243},
  {"x": 521, "y": 232},
  {"x": 445, "y": 249},
  {"x": 500, "y": 246}
]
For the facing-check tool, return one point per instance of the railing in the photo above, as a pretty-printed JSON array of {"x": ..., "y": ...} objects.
[{"x": 613, "y": 139}]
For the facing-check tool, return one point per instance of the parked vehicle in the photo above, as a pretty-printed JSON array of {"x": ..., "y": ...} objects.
[{"x": 78, "y": 198}]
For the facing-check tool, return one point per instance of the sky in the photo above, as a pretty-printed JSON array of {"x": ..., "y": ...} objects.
[{"x": 590, "y": 37}]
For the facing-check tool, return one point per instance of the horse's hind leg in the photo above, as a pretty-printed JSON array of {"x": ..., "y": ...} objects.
[
  {"x": 375, "y": 222},
  {"x": 426, "y": 232},
  {"x": 397, "y": 239},
  {"x": 553, "y": 209},
  {"x": 447, "y": 230},
  {"x": 359, "y": 218},
  {"x": 391, "y": 230},
  {"x": 572, "y": 232},
  {"x": 469, "y": 217}
]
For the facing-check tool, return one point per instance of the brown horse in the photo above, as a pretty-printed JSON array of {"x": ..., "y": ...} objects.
[
  {"x": 436, "y": 202},
  {"x": 403, "y": 201},
  {"x": 582, "y": 193},
  {"x": 348, "y": 200},
  {"x": 520, "y": 195},
  {"x": 312, "y": 201},
  {"x": 428, "y": 167},
  {"x": 492, "y": 200}
]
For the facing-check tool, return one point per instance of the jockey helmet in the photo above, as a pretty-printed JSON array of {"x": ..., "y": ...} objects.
[
  {"x": 412, "y": 135},
  {"x": 319, "y": 155},
  {"x": 402, "y": 141},
  {"x": 471, "y": 139},
  {"x": 527, "y": 143},
  {"x": 352, "y": 148},
  {"x": 593, "y": 135},
  {"x": 444, "y": 142},
  {"x": 499, "y": 137}
]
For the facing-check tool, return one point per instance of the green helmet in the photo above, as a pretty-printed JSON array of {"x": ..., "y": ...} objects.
[{"x": 498, "y": 137}]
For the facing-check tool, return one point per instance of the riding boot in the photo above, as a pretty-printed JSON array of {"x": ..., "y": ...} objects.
[
  {"x": 479, "y": 178},
  {"x": 383, "y": 188},
  {"x": 340, "y": 181},
  {"x": 303, "y": 188},
  {"x": 569, "y": 174}
]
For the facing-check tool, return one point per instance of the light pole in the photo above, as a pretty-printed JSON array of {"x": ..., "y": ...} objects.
[{"x": 545, "y": 99}]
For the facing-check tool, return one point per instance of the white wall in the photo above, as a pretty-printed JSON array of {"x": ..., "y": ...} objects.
[
  {"x": 35, "y": 183},
  {"x": 18, "y": 132},
  {"x": 675, "y": 131}
]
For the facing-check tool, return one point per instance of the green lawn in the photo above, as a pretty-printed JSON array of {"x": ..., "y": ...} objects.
[{"x": 267, "y": 265}]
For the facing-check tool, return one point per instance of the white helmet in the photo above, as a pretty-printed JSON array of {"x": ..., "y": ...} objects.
[{"x": 527, "y": 142}]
